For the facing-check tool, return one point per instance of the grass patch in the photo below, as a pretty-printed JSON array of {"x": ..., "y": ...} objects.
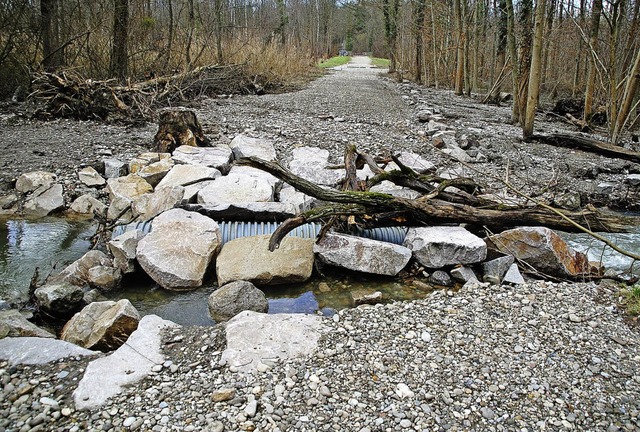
[
  {"x": 380, "y": 62},
  {"x": 334, "y": 61},
  {"x": 631, "y": 299}
]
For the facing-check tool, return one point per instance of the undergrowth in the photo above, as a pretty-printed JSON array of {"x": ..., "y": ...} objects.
[
  {"x": 380, "y": 62},
  {"x": 334, "y": 61},
  {"x": 631, "y": 299}
]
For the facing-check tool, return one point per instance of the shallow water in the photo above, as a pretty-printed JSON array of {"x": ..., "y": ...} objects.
[{"x": 598, "y": 251}]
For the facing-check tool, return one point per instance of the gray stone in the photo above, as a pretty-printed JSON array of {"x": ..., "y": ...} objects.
[
  {"x": 183, "y": 175},
  {"x": 37, "y": 350},
  {"x": 441, "y": 278},
  {"x": 254, "y": 338},
  {"x": 605, "y": 188},
  {"x": 315, "y": 173},
  {"x": 123, "y": 249},
  {"x": 110, "y": 375},
  {"x": 249, "y": 259},
  {"x": 60, "y": 298},
  {"x": 114, "y": 168},
  {"x": 127, "y": 187},
  {"x": 90, "y": 177},
  {"x": 463, "y": 274},
  {"x": 361, "y": 254},
  {"x": 458, "y": 154},
  {"x": 569, "y": 201},
  {"x": 120, "y": 211},
  {"x": 413, "y": 161},
  {"x": 105, "y": 278},
  {"x": 218, "y": 157},
  {"x": 17, "y": 325},
  {"x": 495, "y": 269},
  {"x": 44, "y": 201},
  {"x": 513, "y": 276},
  {"x": 235, "y": 297},
  {"x": 144, "y": 159},
  {"x": 390, "y": 188},
  {"x": 302, "y": 202},
  {"x": 424, "y": 115},
  {"x": 156, "y": 171},
  {"x": 102, "y": 326},
  {"x": 87, "y": 204},
  {"x": 244, "y": 146},
  {"x": 361, "y": 297},
  {"x": 150, "y": 205},
  {"x": 632, "y": 180},
  {"x": 29, "y": 182},
  {"x": 177, "y": 253},
  {"x": 253, "y": 211},
  {"x": 236, "y": 188},
  {"x": 77, "y": 273},
  {"x": 435, "y": 247}
]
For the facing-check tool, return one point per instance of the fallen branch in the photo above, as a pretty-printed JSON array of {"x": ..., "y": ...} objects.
[{"x": 588, "y": 144}]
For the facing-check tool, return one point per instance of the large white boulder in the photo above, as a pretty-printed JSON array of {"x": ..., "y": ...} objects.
[
  {"x": 218, "y": 157},
  {"x": 128, "y": 187},
  {"x": 150, "y": 205},
  {"x": 183, "y": 175},
  {"x": 28, "y": 182},
  {"x": 44, "y": 200},
  {"x": 123, "y": 248},
  {"x": 244, "y": 146},
  {"x": 236, "y": 188},
  {"x": 435, "y": 247}
]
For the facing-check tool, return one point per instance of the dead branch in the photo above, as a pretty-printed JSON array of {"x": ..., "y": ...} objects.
[{"x": 587, "y": 144}]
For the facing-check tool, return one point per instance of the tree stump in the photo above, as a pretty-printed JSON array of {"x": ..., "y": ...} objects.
[{"x": 177, "y": 128}]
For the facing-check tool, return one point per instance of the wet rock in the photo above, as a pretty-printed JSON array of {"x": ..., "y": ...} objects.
[
  {"x": 177, "y": 253},
  {"x": 127, "y": 187},
  {"x": 183, "y": 175},
  {"x": 16, "y": 325},
  {"x": 361, "y": 297},
  {"x": 215, "y": 157},
  {"x": 60, "y": 298},
  {"x": 102, "y": 326},
  {"x": 44, "y": 201},
  {"x": 87, "y": 204},
  {"x": 150, "y": 205},
  {"x": 155, "y": 172},
  {"x": 144, "y": 159},
  {"x": 114, "y": 168},
  {"x": 90, "y": 177},
  {"x": 441, "y": 278},
  {"x": 36, "y": 350},
  {"x": 495, "y": 269},
  {"x": 235, "y": 297},
  {"x": 249, "y": 259},
  {"x": 633, "y": 180},
  {"x": 245, "y": 146},
  {"x": 435, "y": 247},
  {"x": 463, "y": 274},
  {"x": 29, "y": 182},
  {"x": 123, "y": 249},
  {"x": 236, "y": 188},
  {"x": 361, "y": 254},
  {"x": 77, "y": 273},
  {"x": 105, "y": 278},
  {"x": 541, "y": 248},
  {"x": 513, "y": 276}
]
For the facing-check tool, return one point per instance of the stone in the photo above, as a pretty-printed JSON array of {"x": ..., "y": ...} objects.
[
  {"x": 223, "y": 394},
  {"x": 144, "y": 159},
  {"x": 463, "y": 274},
  {"x": 361, "y": 254},
  {"x": 361, "y": 297},
  {"x": 218, "y": 157},
  {"x": 9, "y": 204},
  {"x": 102, "y": 326},
  {"x": 495, "y": 269},
  {"x": 605, "y": 188},
  {"x": 110, "y": 375},
  {"x": 435, "y": 247},
  {"x": 29, "y": 182},
  {"x": 17, "y": 325},
  {"x": 513, "y": 276},
  {"x": 569, "y": 200},
  {"x": 156, "y": 171},
  {"x": 44, "y": 201},
  {"x": 77, "y": 273},
  {"x": 254, "y": 338},
  {"x": 254, "y": 211},
  {"x": 274, "y": 181},
  {"x": 105, "y": 278},
  {"x": 390, "y": 188},
  {"x": 191, "y": 191},
  {"x": 127, "y": 187},
  {"x": 235, "y": 297},
  {"x": 424, "y": 115},
  {"x": 541, "y": 248},
  {"x": 183, "y": 175},
  {"x": 441, "y": 278},
  {"x": 458, "y": 154},
  {"x": 245, "y": 146},
  {"x": 249, "y": 259},
  {"x": 148, "y": 206},
  {"x": 236, "y": 188},
  {"x": 59, "y": 299},
  {"x": 38, "y": 351},
  {"x": 179, "y": 249},
  {"x": 316, "y": 173},
  {"x": 88, "y": 205},
  {"x": 413, "y": 161},
  {"x": 114, "y": 168},
  {"x": 90, "y": 177},
  {"x": 302, "y": 202},
  {"x": 123, "y": 249},
  {"x": 120, "y": 211},
  {"x": 632, "y": 180}
]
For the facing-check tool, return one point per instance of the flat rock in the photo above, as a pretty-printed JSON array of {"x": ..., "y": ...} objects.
[
  {"x": 390, "y": 188},
  {"x": 110, "y": 375},
  {"x": 218, "y": 157},
  {"x": 102, "y": 326},
  {"x": 90, "y": 177},
  {"x": 44, "y": 200},
  {"x": 254, "y": 338},
  {"x": 361, "y": 297},
  {"x": 236, "y": 188},
  {"x": 254, "y": 211},
  {"x": 156, "y": 171},
  {"x": 127, "y": 187},
  {"x": 77, "y": 273},
  {"x": 495, "y": 269},
  {"x": 249, "y": 259},
  {"x": 183, "y": 175},
  {"x": 150, "y": 205},
  {"x": 361, "y": 254},
  {"x": 144, "y": 159},
  {"x": 37, "y": 350},
  {"x": 60, "y": 298},
  {"x": 245, "y": 146},
  {"x": 17, "y": 325},
  {"x": 435, "y": 247},
  {"x": 177, "y": 253},
  {"x": 123, "y": 249},
  {"x": 88, "y": 205},
  {"x": 257, "y": 173},
  {"x": 105, "y": 278},
  {"x": 541, "y": 248},
  {"x": 235, "y": 297},
  {"x": 29, "y": 182},
  {"x": 413, "y": 161}
]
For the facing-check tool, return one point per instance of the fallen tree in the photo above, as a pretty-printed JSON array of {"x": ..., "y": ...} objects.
[{"x": 587, "y": 144}]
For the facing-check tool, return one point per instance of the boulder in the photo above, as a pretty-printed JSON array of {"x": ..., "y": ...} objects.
[
  {"x": 17, "y": 325},
  {"x": 257, "y": 173},
  {"x": 183, "y": 175},
  {"x": 361, "y": 254},
  {"x": 463, "y": 274},
  {"x": 249, "y": 259},
  {"x": 390, "y": 188},
  {"x": 235, "y": 297},
  {"x": 177, "y": 253},
  {"x": 236, "y": 188},
  {"x": 150, "y": 205},
  {"x": 38, "y": 351},
  {"x": 144, "y": 159},
  {"x": 541, "y": 248},
  {"x": 29, "y": 182},
  {"x": 155, "y": 172},
  {"x": 9, "y": 204},
  {"x": 88, "y": 205},
  {"x": 255, "y": 211},
  {"x": 191, "y": 191},
  {"x": 495, "y": 269},
  {"x": 90, "y": 177},
  {"x": 245, "y": 146},
  {"x": 114, "y": 168},
  {"x": 44, "y": 200},
  {"x": 77, "y": 273},
  {"x": 413, "y": 161},
  {"x": 513, "y": 276},
  {"x": 120, "y": 211},
  {"x": 102, "y": 326},
  {"x": 215, "y": 157},
  {"x": 127, "y": 187},
  {"x": 302, "y": 202},
  {"x": 435, "y": 247},
  {"x": 123, "y": 249},
  {"x": 311, "y": 164},
  {"x": 60, "y": 298},
  {"x": 105, "y": 278}
]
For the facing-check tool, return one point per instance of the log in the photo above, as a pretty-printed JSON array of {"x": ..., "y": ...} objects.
[
  {"x": 179, "y": 127},
  {"x": 587, "y": 144}
]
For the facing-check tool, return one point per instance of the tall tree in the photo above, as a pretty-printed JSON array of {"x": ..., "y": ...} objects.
[
  {"x": 390, "y": 11},
  {"x": 524, "y": 61},
  {"x": 418, "y": 23},
  {"x": 119, "y": 50},
  {"x": 629, "y": 95},
  {"x": 534, "y": 73},
  {"x": 593, "y": 52},
  {"x": 52, "y": 55},
  {"x": 457, "y": 12}
]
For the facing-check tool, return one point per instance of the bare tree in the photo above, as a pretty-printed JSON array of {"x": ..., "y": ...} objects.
[
  {"x": 534, "y": 73},
  {"x": 52, "y": 53},
  {"x": 119, "y": 51},
  {"x": 591, "y": 68}
]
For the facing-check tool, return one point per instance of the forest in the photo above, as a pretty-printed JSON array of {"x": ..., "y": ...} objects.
[{"x": 542, "y": 51}]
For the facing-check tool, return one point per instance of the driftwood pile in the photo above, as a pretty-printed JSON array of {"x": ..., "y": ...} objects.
[{"x": 67, "y": 95}]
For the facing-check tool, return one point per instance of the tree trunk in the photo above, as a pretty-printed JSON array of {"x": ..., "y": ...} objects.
[
  {"x": 191, "y": 24},
  {"x": 592, "y": 70},
  {"x": 418, "y": 22},
  {"x": 119, "y": 51},
  {"x": 219, "y": 26},
  {"x": 52, "y": 57},
  {"x": 282, "y": 21},
  {"x": 177, "y": 128},
  {"x": 630, "y": 92},
  {"x": 390, "y": 13},
  {"x": 457, "y": 11},
  {"x": 524, "y": 57},
  {"x": 534, "y": 74},
  {"x": 501, "y": 47},
  {"x": 515, "y": 63}
]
